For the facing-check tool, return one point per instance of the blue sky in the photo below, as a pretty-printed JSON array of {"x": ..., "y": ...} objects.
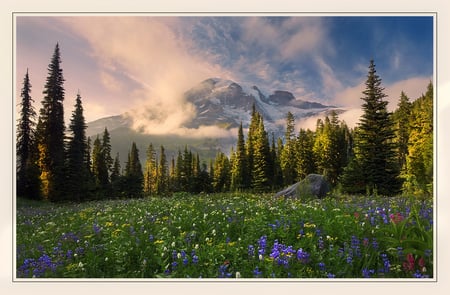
[{"x": 130, "y": 63}]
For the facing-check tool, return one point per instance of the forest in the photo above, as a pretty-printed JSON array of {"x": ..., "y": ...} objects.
[{"x": 386, "y": 154}]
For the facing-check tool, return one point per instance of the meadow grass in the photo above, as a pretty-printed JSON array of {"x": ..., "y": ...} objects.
[{"x": 226, "y": 236}]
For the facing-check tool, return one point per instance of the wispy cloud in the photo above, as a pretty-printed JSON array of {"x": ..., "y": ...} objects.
[{"x": 148, "y": 52}]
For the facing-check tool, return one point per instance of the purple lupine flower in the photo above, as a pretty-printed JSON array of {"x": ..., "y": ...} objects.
[
  {"x": 320, "y": 243},
  {"x": 251, "y": 250},
  {"x": 257, "y": 273},
  {"x": 366, "y": 273},
  {"x": 303, "y": 256},
  {"x": 96, "y": 228},
  {"x": 321, "y": 266},
  {"x": 223, "y": 271}
]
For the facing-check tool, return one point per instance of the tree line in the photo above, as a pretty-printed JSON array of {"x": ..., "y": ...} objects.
[{"x": 386, "y": 153}]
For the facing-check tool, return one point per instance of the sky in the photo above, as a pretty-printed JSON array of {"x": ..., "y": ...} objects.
[{"x": 136, "y": 63}]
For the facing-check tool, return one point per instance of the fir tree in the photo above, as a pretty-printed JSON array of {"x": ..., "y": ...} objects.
[
  {"x": 419, "y": 161},
  {"x": 77, "y": 169},
  {"x": 150, "y": 171},
  {"x": 261, "y": 158},
  {"x": 304, "y": 154},
  {"x": 116, "y": 178},
  {"x": 239, "y": 172},
  {"x": 106, "y": 148},
  {"x": 51, "y": 132},
  {"x": 133, "y": 174},
  {"x": 402, "y": 117},
  {"x": 287, "y": 159},
  {"x": 374, "y": 147},
  {"x": 162, "y": 185},
  {"x": 99, "y": 168},
  {"x": 221, "y": 173},
  {"x": 28, "y": 184}
]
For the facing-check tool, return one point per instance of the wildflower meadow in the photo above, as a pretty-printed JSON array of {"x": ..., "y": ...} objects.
[{"x": 226, "y": 236}]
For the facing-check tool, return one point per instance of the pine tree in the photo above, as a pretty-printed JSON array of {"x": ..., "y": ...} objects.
[
  {"x": 51, "y": 132},
  {"x": 221, "y": 172},
  {"x": 261, "y": 158},
  {"x": 239, "y": 172},
  {"x": 277, "y": 179},
  {"x": 419, "y": 161},
  {"x": 288, "y": 165},
  {"x": 133, "y": 174},
  {"x": 330, "y": 147},
  {"x": 374, "y": 147},
  {"x": 162, "y": 185},
  {"x": 150, "y": 171},
  {"x": 304, "y": 154},
  {"x": 28, "y": 184},
  {"x": 116, "y": 178},
  {"x": 402, "y": 117},
  {"x": 77, "y": 169},
  {"x": 106, "y": 148},
  {"x": 99, "y": 168}
]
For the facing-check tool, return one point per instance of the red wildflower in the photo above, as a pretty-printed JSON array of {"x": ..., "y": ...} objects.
[
  {"x": 408, "y": 265},
  {"x": 396, "y": 218}
]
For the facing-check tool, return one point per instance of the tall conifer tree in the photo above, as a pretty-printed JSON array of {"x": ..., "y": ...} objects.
[
  {"x": 51, "y": 132},
  {"x": 374, "y": 148},
  {"x": 77, "y": 169},
  {"x": 133, "y": 173},
  {"x": 27, "y": 177},
  {"x": 239, "y": 172}
]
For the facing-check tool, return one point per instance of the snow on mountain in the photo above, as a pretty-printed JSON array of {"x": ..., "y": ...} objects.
[{"x": 226, "y": 103}]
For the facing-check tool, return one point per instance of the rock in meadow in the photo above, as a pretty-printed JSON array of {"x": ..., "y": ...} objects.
[{"x": 314, "y": 185}]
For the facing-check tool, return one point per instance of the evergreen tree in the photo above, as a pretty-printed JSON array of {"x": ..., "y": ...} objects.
[
  {"x": 162, "y": 185},
  {"x": 99, "y": 168},
  {"x": 374, "y": 147},
  {"x": 330, "y": 147},
  {"x": 150, "y": 171},
  {"x": 304, "y": 154},
  {"x": 27, "y": 181},
  {"x": 249, "y": 145},
  {"x": 77, "y": 168},
  {"x": 134, "y": 177},
  {"x": 116, "y": 178},
  {"x": 402, "y": 117},
  {"x": 287, "y": 160},
  {"x": 106, "y": 148},
  {"x": 419, "y": 161},
  {"x": 261, "y": 158},
  {"x": 239, "y": 172},
  {"x": 221, "y": 172},
  {"x": 51, "y": 132},
  {"x": 277, "y": 179}
]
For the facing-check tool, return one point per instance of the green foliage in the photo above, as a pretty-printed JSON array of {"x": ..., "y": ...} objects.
[
  {"x": 419, "y": 160},
  {"x": 239, "y": 170},
  {"x": 78, "y": 175},
  {"x": 374, "y": 146},
  {"x": 287, "y": 157},
  {"x": 133, "y": 178},
  {"x": 50, "y": 131},
  {"x": 27, "y": 182},
  {"x": 226, "y": 235}
]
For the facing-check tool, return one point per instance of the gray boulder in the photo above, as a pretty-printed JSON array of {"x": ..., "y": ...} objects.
[{"x": 314, "y": 185}]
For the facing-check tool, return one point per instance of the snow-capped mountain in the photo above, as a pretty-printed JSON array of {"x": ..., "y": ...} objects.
[
  {"x": 226, "y": 103},
  {"x": 217, "y": 103}
]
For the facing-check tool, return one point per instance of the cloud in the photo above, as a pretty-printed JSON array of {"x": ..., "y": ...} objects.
[{"x": 153, "y": 62}]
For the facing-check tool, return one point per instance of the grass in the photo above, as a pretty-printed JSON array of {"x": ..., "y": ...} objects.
[{"x": 226, "y": 236}]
